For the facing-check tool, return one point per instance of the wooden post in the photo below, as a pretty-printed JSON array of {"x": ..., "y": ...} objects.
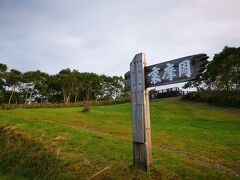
[{"x": 141, "y": 132}]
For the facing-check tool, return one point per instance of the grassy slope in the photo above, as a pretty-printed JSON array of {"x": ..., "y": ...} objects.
[{"x": 189, "y": 140}]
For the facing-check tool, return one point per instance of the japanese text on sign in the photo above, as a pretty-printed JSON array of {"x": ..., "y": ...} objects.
[{"x": 184, "y": 69}]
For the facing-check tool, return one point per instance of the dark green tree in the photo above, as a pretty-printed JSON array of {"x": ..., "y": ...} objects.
[
  {"x": 13, "y": 79},
  {"x": 222, "y": 73},
  {"x": 3, "y": 70},
  {"x": 66, "y": 83},
  {"x": 34, "y": 83}
]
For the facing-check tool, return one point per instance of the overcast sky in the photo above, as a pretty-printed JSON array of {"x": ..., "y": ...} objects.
[{"x": 103, "y": 36}]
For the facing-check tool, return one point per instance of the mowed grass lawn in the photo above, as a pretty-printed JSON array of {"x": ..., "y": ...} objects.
[{"x": 189, "y": 140}]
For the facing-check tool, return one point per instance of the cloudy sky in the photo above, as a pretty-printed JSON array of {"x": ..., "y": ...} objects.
[{"x": 102, "y": 36}]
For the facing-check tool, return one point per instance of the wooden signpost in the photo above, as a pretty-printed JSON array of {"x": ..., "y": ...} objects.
[{"x": 138, "y": 79}]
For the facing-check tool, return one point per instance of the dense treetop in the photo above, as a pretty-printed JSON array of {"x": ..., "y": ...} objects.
[
  {"x": 66, "y": 86},
  {"x": 222, "y": 73}
]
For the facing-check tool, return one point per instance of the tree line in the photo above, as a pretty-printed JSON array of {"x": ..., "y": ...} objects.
[
  {"x": 222, "y": 73},
  {"x": 66, "y": 86}
]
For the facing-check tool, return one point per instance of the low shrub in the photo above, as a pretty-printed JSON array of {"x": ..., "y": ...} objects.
[
  {"x": 86, "y": 109},
  {"x": 62, "y": 105},
  {"x": 220, "y": 98}
]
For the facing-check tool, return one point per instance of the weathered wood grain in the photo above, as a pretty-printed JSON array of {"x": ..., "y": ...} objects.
[{"x": 141, "y": 132}]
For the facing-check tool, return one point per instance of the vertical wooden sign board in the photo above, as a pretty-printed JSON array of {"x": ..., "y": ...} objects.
[{"x": 141, "y": 131}]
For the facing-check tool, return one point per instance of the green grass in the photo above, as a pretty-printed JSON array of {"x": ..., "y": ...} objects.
[{"x": 189, "y": 140}]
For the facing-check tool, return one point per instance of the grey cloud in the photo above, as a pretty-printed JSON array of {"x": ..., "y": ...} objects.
[{"x": 102, "y": 36}]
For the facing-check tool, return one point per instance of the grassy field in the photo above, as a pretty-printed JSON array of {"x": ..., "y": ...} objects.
[{"x": 190, "y": 141}]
